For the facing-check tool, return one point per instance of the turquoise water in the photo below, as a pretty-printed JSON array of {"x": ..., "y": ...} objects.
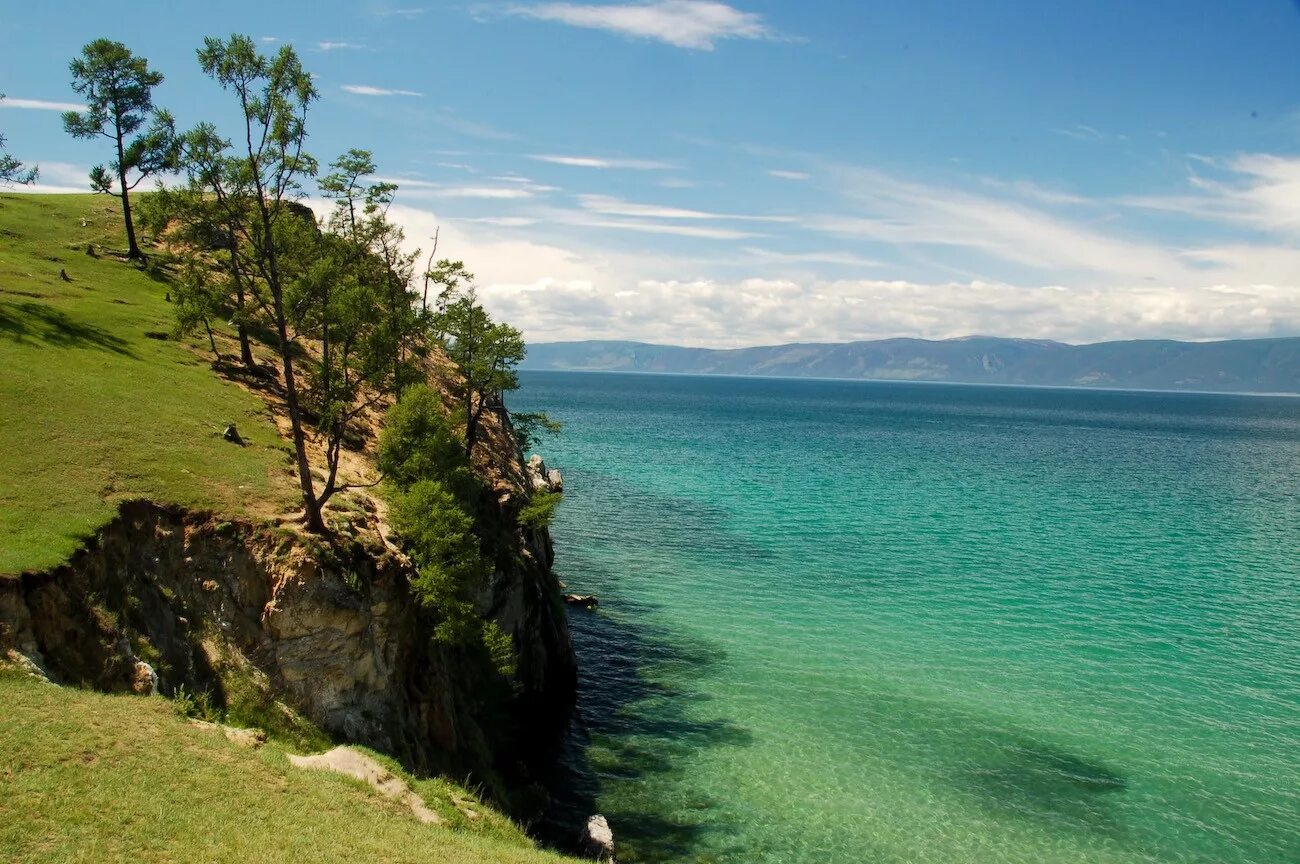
[{"x": 872, "y": 622}]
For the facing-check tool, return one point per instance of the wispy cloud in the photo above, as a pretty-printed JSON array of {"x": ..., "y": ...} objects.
[
  {"x": 906, "y": 213},
  {"x": 327, "y": 45},
  {"x": 1259, "y": 191},
  {"x": 452, "y": 121},
  {"x": 694, "y": 24},
  {"x": 502, "y": 221},
  {"x": 789, "y": 175},
  {"x": 498, "y": 193},
  {"x": 1084, "y": 132},
  {"x": 40, "y": 105},
  {"x": 367, "y": 90},
  {"x": 267, "y": 40},
  {"x": 609, "y": 206},
  {"x": 704, "y": 232},
  {"x": 842, "y": 259},
  {"x": 603, "y": 163},
  {"x": 418, "y": 188},
  {"x": 400, "y": 12}
]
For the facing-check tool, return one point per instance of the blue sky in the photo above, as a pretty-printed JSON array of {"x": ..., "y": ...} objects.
[{"x": 741, "y": 173}]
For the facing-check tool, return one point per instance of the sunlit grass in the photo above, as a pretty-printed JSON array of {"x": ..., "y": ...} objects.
[
  {"x": 96, "y": 778},
  {"x": 96, "y": 405}
]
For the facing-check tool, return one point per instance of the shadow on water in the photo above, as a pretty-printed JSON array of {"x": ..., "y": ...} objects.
[
  {"x": 52, "y": 326},
  {"x": 632, "y": 725},
  {"x": 1016, "y": 777}
]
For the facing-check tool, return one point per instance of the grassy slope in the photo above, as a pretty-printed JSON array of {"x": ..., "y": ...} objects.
[
  {"x": 95, "y": 778},
  {"x": 92, "y": 410}
]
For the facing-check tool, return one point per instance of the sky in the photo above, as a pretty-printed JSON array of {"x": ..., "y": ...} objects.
[{"x": 758, "y": 172}]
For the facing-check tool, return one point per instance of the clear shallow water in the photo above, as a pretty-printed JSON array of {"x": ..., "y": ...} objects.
[{"x": 848, "y": 622}]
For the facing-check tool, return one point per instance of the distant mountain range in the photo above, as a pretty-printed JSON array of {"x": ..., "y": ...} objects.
[{"x": 1244, "y": 365}]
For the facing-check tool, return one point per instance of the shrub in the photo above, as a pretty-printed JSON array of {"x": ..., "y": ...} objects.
[
  {"x": 419, "y": 443},
  {"x": 540, "y": 510},
  {"x": 438, "y": 535}
]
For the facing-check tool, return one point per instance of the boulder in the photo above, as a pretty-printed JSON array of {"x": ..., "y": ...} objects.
[{"x": 598, "y": 839}]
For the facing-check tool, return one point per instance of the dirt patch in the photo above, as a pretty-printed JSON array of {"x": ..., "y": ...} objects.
[{"x": 345, "y": 760}]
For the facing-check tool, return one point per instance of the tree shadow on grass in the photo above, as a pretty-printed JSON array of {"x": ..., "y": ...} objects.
[{"x": 38, "y": 322}]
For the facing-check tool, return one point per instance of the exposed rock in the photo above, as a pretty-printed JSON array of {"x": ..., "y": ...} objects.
[
  {"x": 212, "y": 598},
  {"x": 144, "y": 681},
  {"x": 541, "y": 479},
  {"x": 586, "y": 601},
  {"x": 345, "y": 760},
  {"x": 232, "y": 435},
  {"x": 598, "y": 839}
]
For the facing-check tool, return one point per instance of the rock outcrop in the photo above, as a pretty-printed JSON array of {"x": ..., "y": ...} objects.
[{"x": 162, "y": 599}]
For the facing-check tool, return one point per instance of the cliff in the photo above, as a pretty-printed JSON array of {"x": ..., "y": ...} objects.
[
  {"x": 271, "y": 624},
  {"x": 141, "y": 551}
]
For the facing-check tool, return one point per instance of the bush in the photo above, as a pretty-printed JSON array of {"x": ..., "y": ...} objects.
[
  {"x": 419, "y": 443},
  {"x": 540, "y": 510},
  {"x": 438, "y": 535}
]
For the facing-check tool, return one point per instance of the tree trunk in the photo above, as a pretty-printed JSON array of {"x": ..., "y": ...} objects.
[
  {"x": 211, "y": 339},
  {"x": 245, "y": 349},
  {"x": 132, "y": 250},
  {"x": 315, "y": 523}
]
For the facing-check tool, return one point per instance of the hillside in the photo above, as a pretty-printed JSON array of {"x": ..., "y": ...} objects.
[
  {"x": 90, "y": 777},
  {"x": 1248, "y": 365},
  {"x": 97, "y": 403},
  {"x": 141, "y": 551}
]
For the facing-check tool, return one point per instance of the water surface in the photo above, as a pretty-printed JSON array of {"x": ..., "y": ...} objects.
[{"x": 848, "y": 622}]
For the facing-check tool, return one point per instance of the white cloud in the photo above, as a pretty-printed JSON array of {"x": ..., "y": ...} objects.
[
  {"x": 419, "y": 188},
  {"x": 502, "y": 221},
  {"x": 696, "y": 24},
  {"x": 602, "y": 163},
  {"x": 904, "y": 213},
  {"x": 367, "y": 90},
  {"x": 267, "y": 40},
  {"x": 789, "y": 175},
  {"x": 843, "y": 259},
  {"x": 58, "y": 178},
  {"x": 1260, "y": 191},
  {"x": 696, "y": 231},
  {"x": 40, "y": 105},
  {"x": 499, "y": 193},
  {"x": 326, "y": 45},
  {"x": 614, "y": 207},
  {"x": 573, "y": 289}
]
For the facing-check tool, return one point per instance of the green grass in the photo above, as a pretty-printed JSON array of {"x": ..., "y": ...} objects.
[
  {"x": 93, "y": 410},
  {"x": 97, "y": 778}
]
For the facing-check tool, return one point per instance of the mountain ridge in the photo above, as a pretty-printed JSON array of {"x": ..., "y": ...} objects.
[{"x": 1244, "y": 365}]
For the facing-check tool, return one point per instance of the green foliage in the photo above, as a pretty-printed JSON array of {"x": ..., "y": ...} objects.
[
  {"x": 485, "y": 352},
  {"x": 440, "y": 539},
  {"x": 195, "y": 706},
  {"x": 418, "y": 443},
  {"x": 118, "y": 89},
  {"x": 540, "y": 510},
  {"x": 530, "y": 426},
  {"x": 500, "y": 649}
]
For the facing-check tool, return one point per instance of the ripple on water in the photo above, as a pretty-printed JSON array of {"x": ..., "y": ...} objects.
[{"x": 868, "y": 622}]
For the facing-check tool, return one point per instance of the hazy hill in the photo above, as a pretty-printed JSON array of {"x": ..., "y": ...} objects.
[{"x": 1247, "y": 365}]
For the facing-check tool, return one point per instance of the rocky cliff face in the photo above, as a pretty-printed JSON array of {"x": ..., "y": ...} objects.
[{"x": 280, "y": 624}]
